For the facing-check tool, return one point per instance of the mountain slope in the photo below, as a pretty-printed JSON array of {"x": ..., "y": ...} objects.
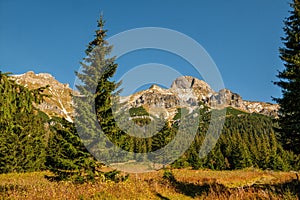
[{"x": 60, "y": 101}]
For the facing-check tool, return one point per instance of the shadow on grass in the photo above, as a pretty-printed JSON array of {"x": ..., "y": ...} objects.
[
  {"x": 191, "y": 189},
  {"x": 291, "y": 187},
  {"x": 284, "y": 190},
  {"x": 162, "y": 197}
]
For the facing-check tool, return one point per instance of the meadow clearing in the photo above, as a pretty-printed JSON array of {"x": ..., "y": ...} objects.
[{"x": 163, "y": 184}]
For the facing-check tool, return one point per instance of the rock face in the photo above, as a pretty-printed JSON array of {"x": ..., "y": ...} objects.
[
  {"x": 60, "y": 102},
  {"x": 227, "y": 98},
  {"x": 201, "y": 90},
  {"x": 157, "y": 97},
  {"x": 268, "y": 109},
  {"x": 188, "y": 91},
  {"x": 185, "y": 91}
]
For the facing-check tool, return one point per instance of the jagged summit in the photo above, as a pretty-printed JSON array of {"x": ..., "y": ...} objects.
[
  {"x": 187, "y": 82},
  {"x": 201, "y": 90}
]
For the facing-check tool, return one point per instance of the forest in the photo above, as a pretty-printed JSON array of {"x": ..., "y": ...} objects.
[
  {"x": 263, "y": 150},
  {"x": 32, "y": 141}
]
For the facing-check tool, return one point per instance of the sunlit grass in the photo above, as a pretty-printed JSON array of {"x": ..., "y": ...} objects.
[{"x": 190, "y": 184}]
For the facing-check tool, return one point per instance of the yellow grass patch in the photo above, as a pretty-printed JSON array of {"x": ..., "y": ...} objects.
[{"x": 190, "y": 184}]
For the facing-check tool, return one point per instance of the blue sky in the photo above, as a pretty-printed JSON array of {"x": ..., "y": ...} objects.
[{"x": 242, "y": 37}]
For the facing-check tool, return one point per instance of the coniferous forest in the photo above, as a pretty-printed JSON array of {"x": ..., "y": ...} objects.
[{"x": 32, "y": 141}]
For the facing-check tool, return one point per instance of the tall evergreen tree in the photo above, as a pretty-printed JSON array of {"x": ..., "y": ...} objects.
[
  {"x": 72, "y": 147},
  {"x": 96, "y": 89},
  {"x": 289, "y": 118},
  {"x": 93, "y": 105}
]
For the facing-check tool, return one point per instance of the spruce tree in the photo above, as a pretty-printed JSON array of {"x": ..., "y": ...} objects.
[
  {"x": 289, "y": 112},
  {"x": 96, "y": 88},
  {"x": 93, "y": 105},
  {"x": 73, "y": 148}
]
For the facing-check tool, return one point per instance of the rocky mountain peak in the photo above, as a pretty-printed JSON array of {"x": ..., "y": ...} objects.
[
  {"x": 186, "y": 82},
  {"x": 200, "y": 88},
  {"x": 60, "y": 101}
]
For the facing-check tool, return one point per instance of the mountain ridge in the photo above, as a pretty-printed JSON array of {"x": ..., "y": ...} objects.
[
  {"x": 185, "y": 91},
  {"x": 192, "y": 90}
]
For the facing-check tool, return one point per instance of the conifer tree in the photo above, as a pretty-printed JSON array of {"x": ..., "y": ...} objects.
[
  {"x": 289, "y": 118},
  {"x": 72, "y": 147},
  {"x": 96, "y": 90},
  {"x": 93, "y": 104}
]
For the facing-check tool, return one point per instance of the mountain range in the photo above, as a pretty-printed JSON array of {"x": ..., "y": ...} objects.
[{"x": 185, "y": 91}]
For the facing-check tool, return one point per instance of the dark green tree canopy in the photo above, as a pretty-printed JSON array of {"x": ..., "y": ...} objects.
[
  {"x": 289, "y": 82},
  {"x": 22, "y": 127}
]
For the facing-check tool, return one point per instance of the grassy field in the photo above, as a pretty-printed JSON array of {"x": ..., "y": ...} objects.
[{"x": 174, "y": 184}]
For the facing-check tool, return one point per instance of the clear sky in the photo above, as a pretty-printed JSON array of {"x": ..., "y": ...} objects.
[{"x": 242, "y": 37}]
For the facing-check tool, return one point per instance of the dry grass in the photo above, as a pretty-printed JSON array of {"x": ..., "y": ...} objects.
[{"x": 188, "y": 184}]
